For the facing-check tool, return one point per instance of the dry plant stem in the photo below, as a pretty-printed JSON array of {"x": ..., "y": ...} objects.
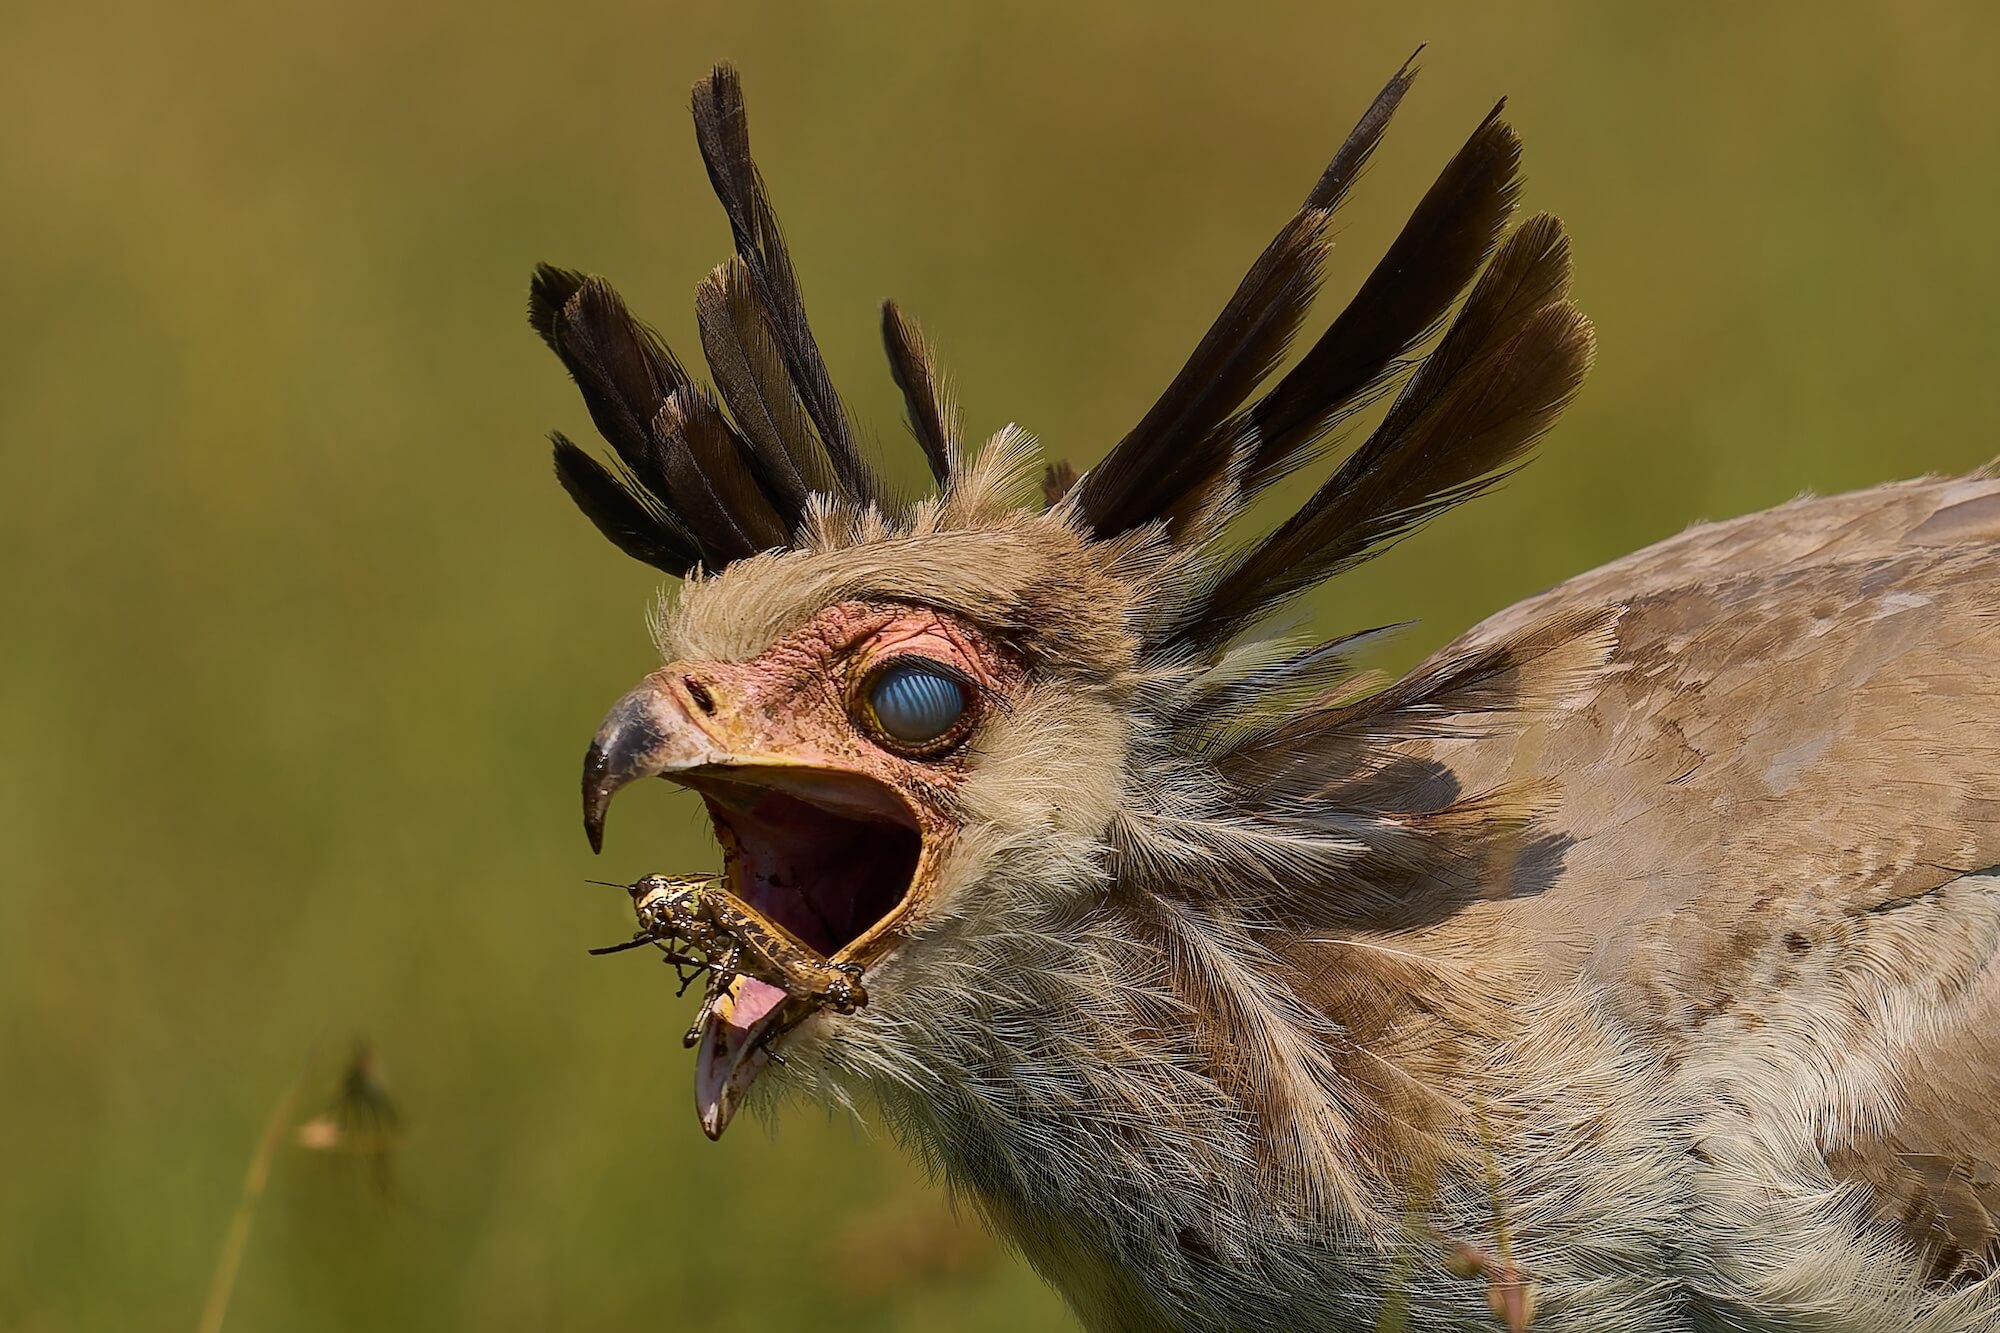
[{"x": 230, "y": 1261}]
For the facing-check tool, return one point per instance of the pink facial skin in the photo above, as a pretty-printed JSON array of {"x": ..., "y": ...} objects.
[
  {"x": 829, "y": 827},
  {"x": 801, "y": 696}
]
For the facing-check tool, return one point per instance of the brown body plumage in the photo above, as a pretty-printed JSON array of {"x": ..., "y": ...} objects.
[{"x": 1633, "y": 964}]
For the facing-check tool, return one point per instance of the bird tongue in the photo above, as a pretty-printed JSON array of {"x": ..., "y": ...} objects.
[{"x": 731, "y": 1054}]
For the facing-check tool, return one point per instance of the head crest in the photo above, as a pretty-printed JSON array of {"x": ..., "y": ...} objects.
[{"x": 702, "y": 477}]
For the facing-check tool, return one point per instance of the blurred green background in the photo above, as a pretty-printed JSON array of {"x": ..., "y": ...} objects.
[{"x": 302, "y": 643}]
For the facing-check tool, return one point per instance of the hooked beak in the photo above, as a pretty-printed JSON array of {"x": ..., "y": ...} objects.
[{"x": 647, "y": 734}]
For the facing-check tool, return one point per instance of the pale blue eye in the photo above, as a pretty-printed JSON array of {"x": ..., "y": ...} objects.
[{"x": 913, "y": 704}]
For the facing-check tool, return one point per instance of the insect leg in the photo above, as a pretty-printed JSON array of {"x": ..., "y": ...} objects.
[
  {"x": 722, "y": 972},
  {"x": 637, "y": 941}
]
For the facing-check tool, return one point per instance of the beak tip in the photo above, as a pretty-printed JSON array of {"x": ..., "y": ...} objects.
[
  {"x": 643, "y": 736},
  {"x": 598, "y": 786},
  {"x": 715, "y": 1108}
]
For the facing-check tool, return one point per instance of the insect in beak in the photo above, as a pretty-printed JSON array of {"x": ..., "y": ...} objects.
[{"x": 762, "y": 981}]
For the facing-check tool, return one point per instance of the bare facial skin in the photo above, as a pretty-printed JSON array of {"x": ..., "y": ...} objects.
[{"x": 831, "y": 827}]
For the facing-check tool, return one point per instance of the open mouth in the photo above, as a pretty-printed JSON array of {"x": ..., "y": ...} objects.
[
  {"x": 828, "y": 856},
  {"x": 831, "y": 857}
]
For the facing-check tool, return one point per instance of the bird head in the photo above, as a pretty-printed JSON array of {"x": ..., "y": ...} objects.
[
  {"x": 885, "y": 733},
  {"x": 937, "y": 734}
]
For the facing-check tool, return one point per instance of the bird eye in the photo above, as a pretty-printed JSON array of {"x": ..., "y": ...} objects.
[{"x": 914, "y": 703}]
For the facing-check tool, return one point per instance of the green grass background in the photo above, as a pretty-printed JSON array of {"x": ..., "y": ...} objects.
[{"x": 301, "y": 644}]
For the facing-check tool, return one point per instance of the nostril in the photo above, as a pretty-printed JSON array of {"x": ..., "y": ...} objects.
[{"x": 699, "y": 693}]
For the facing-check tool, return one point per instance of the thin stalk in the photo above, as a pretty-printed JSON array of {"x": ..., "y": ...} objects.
[{"x": 223, "y": 1285}]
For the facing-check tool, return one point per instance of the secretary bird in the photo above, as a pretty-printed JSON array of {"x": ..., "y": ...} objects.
[{"x": 1631, "y": 964}]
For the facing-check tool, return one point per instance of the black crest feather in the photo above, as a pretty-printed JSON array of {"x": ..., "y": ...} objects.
[
  {"x": 701, "y": 478},
  {"x": 751, "y": 376},
  {"x": 623, "y": 511},
  {"x": 1181, "y": 451},
  {"x": 548, "y": 292},
  {"x": 924, "y": 395},
  {"x": 1431, "y": 260},
  {"x": 722, "y": 129},
  {"x": 1513, "y": 359},
  {"x": 695, "y": 485}
]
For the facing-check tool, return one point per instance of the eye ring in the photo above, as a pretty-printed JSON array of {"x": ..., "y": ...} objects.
[{"x": 916, "y": 706}]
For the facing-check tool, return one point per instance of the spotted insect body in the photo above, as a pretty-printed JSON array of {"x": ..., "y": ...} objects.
[{"x": 699, "y": 925}]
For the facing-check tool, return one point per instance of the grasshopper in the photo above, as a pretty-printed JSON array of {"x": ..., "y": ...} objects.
[{"x": 703, "y": 928}]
